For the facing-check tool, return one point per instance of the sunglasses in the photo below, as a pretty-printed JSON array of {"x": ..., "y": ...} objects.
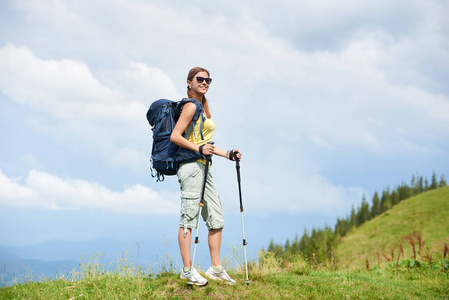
[{"x": 201, "y": 79}]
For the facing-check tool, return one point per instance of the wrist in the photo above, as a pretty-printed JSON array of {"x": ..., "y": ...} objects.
[{"x": 230, "y": 154}]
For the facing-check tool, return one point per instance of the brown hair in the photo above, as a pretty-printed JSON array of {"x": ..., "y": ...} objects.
[{"x": 203, "y": 101}]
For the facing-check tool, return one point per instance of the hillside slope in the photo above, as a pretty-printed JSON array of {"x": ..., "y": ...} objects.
[{"x": 427, "y": 214}]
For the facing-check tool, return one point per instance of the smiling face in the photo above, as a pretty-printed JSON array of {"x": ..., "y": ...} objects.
[{"x": 197, "y": 88}]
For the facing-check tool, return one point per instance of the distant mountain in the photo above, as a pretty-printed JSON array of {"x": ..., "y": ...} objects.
[
  {"x": 53, "y": 258},
  {"x": 22, "y": 270},
  {"x": 63, "y": 250},
  {"x": 424, "y": 216}
]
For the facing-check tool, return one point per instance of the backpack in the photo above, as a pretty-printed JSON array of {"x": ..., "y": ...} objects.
[{"x": 165, "y": 155}]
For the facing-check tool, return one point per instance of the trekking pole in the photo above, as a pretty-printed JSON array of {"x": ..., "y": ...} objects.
[
  {"x": 201, "y": 204},
  {"x": 237, "y": 166}
]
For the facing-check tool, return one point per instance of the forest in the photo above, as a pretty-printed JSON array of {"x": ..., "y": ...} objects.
[{"x": 318, "y": 244}]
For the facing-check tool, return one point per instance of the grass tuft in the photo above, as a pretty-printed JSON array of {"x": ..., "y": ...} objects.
[{"x": 270, "y": 277}]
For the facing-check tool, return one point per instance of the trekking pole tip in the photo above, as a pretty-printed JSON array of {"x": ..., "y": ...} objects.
[{"x": 247, "y": 282}]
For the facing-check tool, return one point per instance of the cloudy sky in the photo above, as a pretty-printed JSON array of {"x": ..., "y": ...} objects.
[{"x": 327, "y": 101}]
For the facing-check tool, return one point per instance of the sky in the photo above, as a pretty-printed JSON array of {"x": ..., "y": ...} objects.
[{"x": 326, "y": 100}]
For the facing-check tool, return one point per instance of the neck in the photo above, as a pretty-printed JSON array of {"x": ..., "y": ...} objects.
[{"x": 198, "y": 97}]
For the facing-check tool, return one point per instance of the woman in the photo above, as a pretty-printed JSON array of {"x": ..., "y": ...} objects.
[{"x": 191, "y": 176}]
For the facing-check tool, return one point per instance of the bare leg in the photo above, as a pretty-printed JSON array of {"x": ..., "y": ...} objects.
[
  {"x": 214, "y": 240},
  {"x": 184, "y": 246}
]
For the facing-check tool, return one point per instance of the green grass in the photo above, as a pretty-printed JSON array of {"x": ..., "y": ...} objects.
[
  {"x": 270, "y": 279},
  {"x": 426, "y": 214},
  {"x": 298, "y": 278}
]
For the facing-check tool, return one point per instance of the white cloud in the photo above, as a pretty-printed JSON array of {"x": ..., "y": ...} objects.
[
  {"x": 11, "y": 190},
  {"x": 287, "y": 183},
  {"x": 45, "y": 191},
  {"x": 289, "y": 89},
  {"x": 77, "y": 108},
  {"x": 58, "y": 88}
]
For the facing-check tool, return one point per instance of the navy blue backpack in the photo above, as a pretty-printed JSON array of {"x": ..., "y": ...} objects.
[{"x": 165, "y": 155}]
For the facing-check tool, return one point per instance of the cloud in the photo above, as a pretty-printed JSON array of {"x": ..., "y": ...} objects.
[
  {"x": 75, "y": 107},
  {"x": 286, "y": 182},
  {"x": 44, "y": 191},
  {"x": 298, "y": 95},
  {"x": 12, "y": 190},
  {"x": 58, "y": 88}
]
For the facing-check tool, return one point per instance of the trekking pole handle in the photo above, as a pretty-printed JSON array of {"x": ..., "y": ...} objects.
[
  {"x": 237, "y": 165},
  {"x": 208, "y": 156},
  {"x": 235, "y": 156}
]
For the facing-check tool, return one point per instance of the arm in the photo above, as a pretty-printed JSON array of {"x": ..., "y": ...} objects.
[
  {"x": 225, "y": 154},
  {"x": 187, "y": 113}
]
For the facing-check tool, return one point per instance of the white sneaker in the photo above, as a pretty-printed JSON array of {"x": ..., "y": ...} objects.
[
  {"x": 222, "y": 275},
  {"x": 194, "y": 277}
]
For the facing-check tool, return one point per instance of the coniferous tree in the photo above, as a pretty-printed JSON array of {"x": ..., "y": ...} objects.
[
  {"x": 434, "y": 183},
  {"x": 394, "y": 198},
  {"x": 363, "y": 213},
  {"x": 353, "y": 218},
  {"x": 304, "y": 242},
  {"x": 294, "y": 248},
  {"x": 442, "y": 182},
  {"x": 278, "y": 250},
  {"x": 321, "y": 243},
  {"x": 420, "y": 185},
  {"x": 271, "y": 246},
  {"x": 404, "y": 191},
  {"x": 287, "y": 246},
  {"x": 375, "y": 208},
  {"x": 314, "y": 240},
  {"x": 341, "y": 228},
  {"x": 385, "y": 202}
]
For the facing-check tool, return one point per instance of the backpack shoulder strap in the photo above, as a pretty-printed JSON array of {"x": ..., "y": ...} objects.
[{"x": 196, "y": 116}]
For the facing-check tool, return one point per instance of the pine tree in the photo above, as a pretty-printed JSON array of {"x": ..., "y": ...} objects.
[
  {"x": 375, "y": 209},
  {"x": 414, "y": 185},
  {"x": 363, "y": 214},
  {"x": 295, "y": 245},
  {"x": 442, "y": 182},
  {"x": 353, "y": 218},
  {"x": 271, "y": 246},
  {"x": 394, "y": 198},
  {"x": 434, "y": 183},
  {"x": 385, "y": 202},
  {"x": 287, "y": 246},
  {"x": 322, "y": 242},
  {"x": 420, "y": 185},
  {"x": 304, "y": 242}
]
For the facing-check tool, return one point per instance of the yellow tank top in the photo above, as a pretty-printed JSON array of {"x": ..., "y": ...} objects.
[{"x": 195, "y": 135}]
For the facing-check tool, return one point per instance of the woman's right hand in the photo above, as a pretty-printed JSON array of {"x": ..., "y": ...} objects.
[{"x": 208, "y": 149}]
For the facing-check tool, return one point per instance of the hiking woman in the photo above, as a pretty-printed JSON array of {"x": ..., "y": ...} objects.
[{"x": 191, "y": 176}]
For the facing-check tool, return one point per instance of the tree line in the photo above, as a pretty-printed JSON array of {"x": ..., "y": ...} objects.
[{"x": 319, "y": 244}]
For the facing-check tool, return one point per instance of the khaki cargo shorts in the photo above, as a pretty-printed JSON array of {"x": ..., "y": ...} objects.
[{"x": 191, "y": 176}]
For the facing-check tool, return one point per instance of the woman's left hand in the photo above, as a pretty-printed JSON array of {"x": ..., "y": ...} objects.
[{"x": 236, "y": 154}]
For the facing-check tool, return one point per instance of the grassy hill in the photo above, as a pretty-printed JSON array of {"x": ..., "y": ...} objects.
[
  {"x": 271, "y": 278},
  {"x": 426, "y": 214},
  {"x": 298, "y": 278}
]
